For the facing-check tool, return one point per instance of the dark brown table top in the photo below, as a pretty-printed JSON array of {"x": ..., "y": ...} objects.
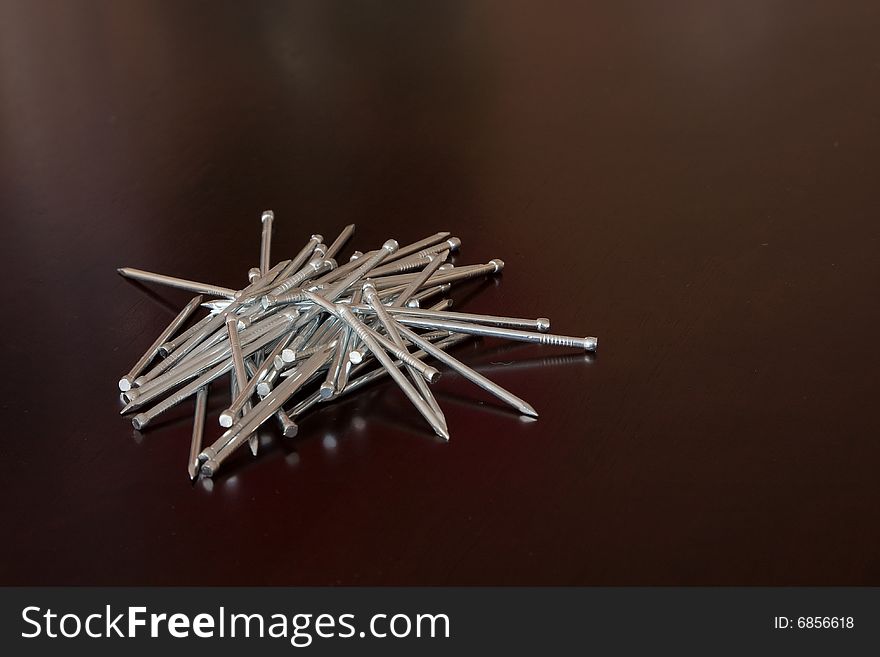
[{"x": 694, "y": 183}]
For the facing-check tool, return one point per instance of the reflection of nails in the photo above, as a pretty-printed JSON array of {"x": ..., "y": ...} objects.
[{"x": 531, "y": 363}]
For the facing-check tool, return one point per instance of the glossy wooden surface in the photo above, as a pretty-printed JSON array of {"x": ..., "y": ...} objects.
[{"x": 693, "y": 182}]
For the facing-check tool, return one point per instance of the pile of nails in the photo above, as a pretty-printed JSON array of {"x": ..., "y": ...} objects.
[{"x": 308, "y": 330}]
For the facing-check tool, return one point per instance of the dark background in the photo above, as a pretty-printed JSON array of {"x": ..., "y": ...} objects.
[{"x": 695, "y": 183}]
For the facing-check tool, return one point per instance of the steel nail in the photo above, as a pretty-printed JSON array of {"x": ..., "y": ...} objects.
[
  {"x": 266, "y": 241},
  {"x": 198, "y": 431},
  {"x": 126, "y": 381},
  {"x": 179, "y": 283}
]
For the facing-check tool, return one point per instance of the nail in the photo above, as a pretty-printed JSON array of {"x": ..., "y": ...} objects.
[
  {"x": 141, "y": 420},
  {"x": 227, "y": 417},
  {"x": 445, "y": 304},
  {"x": 301, "y": 258},
  {"x": 179, "y": 283},
  {"x": 418, "y": 281},
  {"x": 148, "y": 394},
  {"x": 430, "y": 374},
  {"x": 401, "y": 266},
  {"x": 340, "y": 241},
  {"x": 266, "y": 241},
  {"x": 330, "y": 386},
  {"x": 126, "y": 381},
  {"x": 474, "y": 377},
  {"x": 385, "y": 319},
  {"x": 388, "y": 248},
  {"x": 466, "y": 273},
  {"x": 259, "y": 285},
  {"x": 171, "y": 345},
  {"x": 541, "y": 324},
  {"x": 422, "y": 244},
  {"x": 214, "y": 455},
  {"x": 375, "y": 346},
  {"x": 288, "y": 427},
  {"x": 310, "y": 270},
  {"x": 239, "y": 374},
  {"x": 417, "y": 299},
  {"x": 198, "y": 431},
  {"x": 211, "y": 352},
  {"x": 190, "y": 345},
  {"x": 587, "y": 344},
  {"x": 364, "y": 379}
]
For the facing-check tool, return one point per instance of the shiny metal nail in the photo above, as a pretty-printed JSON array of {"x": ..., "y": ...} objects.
[
  {"x": 198, "y": 431},
  {"x": 314, "y": 267},
  {"x": 215, "y": 324},
  {"x": 340, "y": 241},
  {"x": 288, "y": 427},
  {"x": 391, "y": 330},
  {"x": 388, "y": 248},
  {"x": 431, "y": 374},
  {"x": 214, "y": 351},
  {"x": 400, "y": 266},
  {"x": 330, "y": 385},
  {"x": 361, "y": 379},
  {"x": 587, "y": 344},
  {"x": 301, "y": 258},
  {"x": 171, "y": 345},
  {"x": 266, "y": 241},
  {"x": 541, "y": 324},
  {"x": 147, "y": 396},
  {"x": 239, "y": 373},
  {"x": 227, "y": 417},
  {"x": 471, "y": 375},
  {"x": 179, "y": 283},
  {"x": 377, "y": 346},
  {"x": 431, "y": 292},
  {"x": 141, "y": 420},
  {"x": 445, "y": 304},
  {"x": 126, "y": 381},
  {"x": 214, "y": 455},
  {"x": 435, "y": 261},
  {"x": 419, "y": 247}
]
